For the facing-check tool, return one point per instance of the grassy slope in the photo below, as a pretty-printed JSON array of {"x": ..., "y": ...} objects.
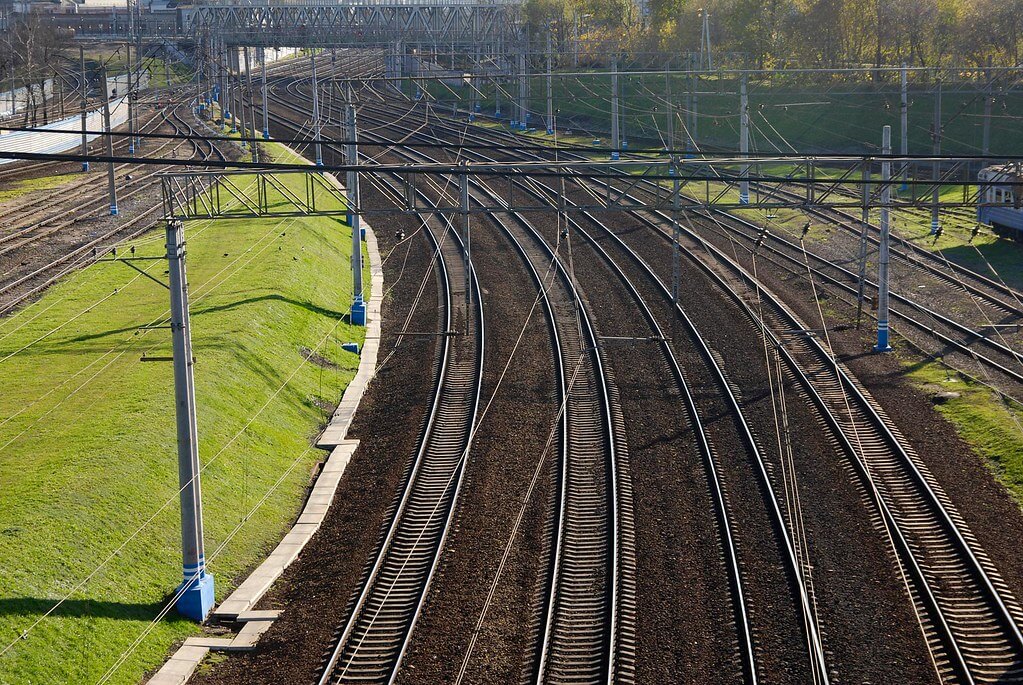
[
  {"x": 837, "y": 117},
  {"x": 87, "y": 446}
]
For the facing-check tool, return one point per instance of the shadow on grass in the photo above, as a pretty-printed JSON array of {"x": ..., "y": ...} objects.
[
  {"x": 82, "y": 608},
  {"x": 1004, "y": 255},
  {"x": 203, "y": 311}
]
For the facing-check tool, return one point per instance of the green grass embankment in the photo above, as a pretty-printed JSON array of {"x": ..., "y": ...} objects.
[
  {"x": 87, "y": 439},
  {"x": 834, "y": 117}
]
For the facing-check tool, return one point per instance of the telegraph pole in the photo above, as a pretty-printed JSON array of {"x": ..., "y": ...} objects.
[
  {"x": 195, "y": 594},
  {"x": 550, "y": 87},
  {"x": 882, "y": 262},
  {"x": 935, "y": 218},
  {"x": 316, "y": 115},
  {"x": 111, "y": 187},
  {"x": 358, "y": 315},
  {"x": 743, "y": 140},
  {"x": 85, "y": 104},
  {"x": 615, "y": 135}
]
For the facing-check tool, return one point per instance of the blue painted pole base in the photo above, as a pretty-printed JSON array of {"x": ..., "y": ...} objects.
[
  {"x": 882, "y": 339},
  {"x": 266, "y": 134},
  {"x": 358, "y": 317},
  {"x": 85, "y": 166},
  {"x": 113, "y": 210},
  {"x": 350, "y": 347},
  {"x": 550, "y": 131},
  {"x": 362, "y": 233},
  {"x": 934, "y": 227},
  {"x": 197, "y": 599},
  {"x": 615, "y": 157},
  {"x": 743, "y": 199}
]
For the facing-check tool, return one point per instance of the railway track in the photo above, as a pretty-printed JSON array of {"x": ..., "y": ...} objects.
[
  {"x": 371, "y": 644},
  {"x": 579, "y": 634},
  {"x": 1002, "y": 299},
  {"x": 590, "y": 668},
  {"x": 19, "y": 286},
  {"x": 989, "y": 352},
  {"x": 970, "y": 618},
  {"x": 972, "y": 625},
  {"x": 973, "y": 616}
]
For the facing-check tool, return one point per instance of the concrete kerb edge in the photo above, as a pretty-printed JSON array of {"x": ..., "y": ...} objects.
[{"x": 183, "y": 662}]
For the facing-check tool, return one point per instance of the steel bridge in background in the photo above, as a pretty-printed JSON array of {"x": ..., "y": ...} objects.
[{"x": 316, "y": 23}]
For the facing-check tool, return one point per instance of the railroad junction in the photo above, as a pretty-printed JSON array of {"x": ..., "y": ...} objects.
[{"x": 424, "y": 354}]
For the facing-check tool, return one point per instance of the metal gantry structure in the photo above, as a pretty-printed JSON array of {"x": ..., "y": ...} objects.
[{"x": 320, "y": 24}]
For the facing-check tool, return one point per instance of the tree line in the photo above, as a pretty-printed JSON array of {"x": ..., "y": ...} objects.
[{"x": 817, "y": 33}]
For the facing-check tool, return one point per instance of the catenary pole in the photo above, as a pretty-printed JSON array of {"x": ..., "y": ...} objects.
[
  {"x": 266, "y": 111},
  {"x": 882, "y": 261},
  {"x": 523, "y": 90},
  {"x": 864, "y": 227},
  {"x": 550, "y": 86},
  {"x": 463, "y": 187},
  {"x": 743, "y": 140},
  {"x": 936, "y": 170},
  {"x": 195, "y": 594},
  {"x": 358, "y": 316},
  {"x": 316, "y": 114},
  {"x": 85, "y": 104},
  {"x": 111, "y": 186},
  {"x": 904, "y": 122},
  {"x": 669, "y": 113},
  {"x": 615, "y": 130},
  {"x": 252, "y": 105},
  {"x": 131, "y": 101}
]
